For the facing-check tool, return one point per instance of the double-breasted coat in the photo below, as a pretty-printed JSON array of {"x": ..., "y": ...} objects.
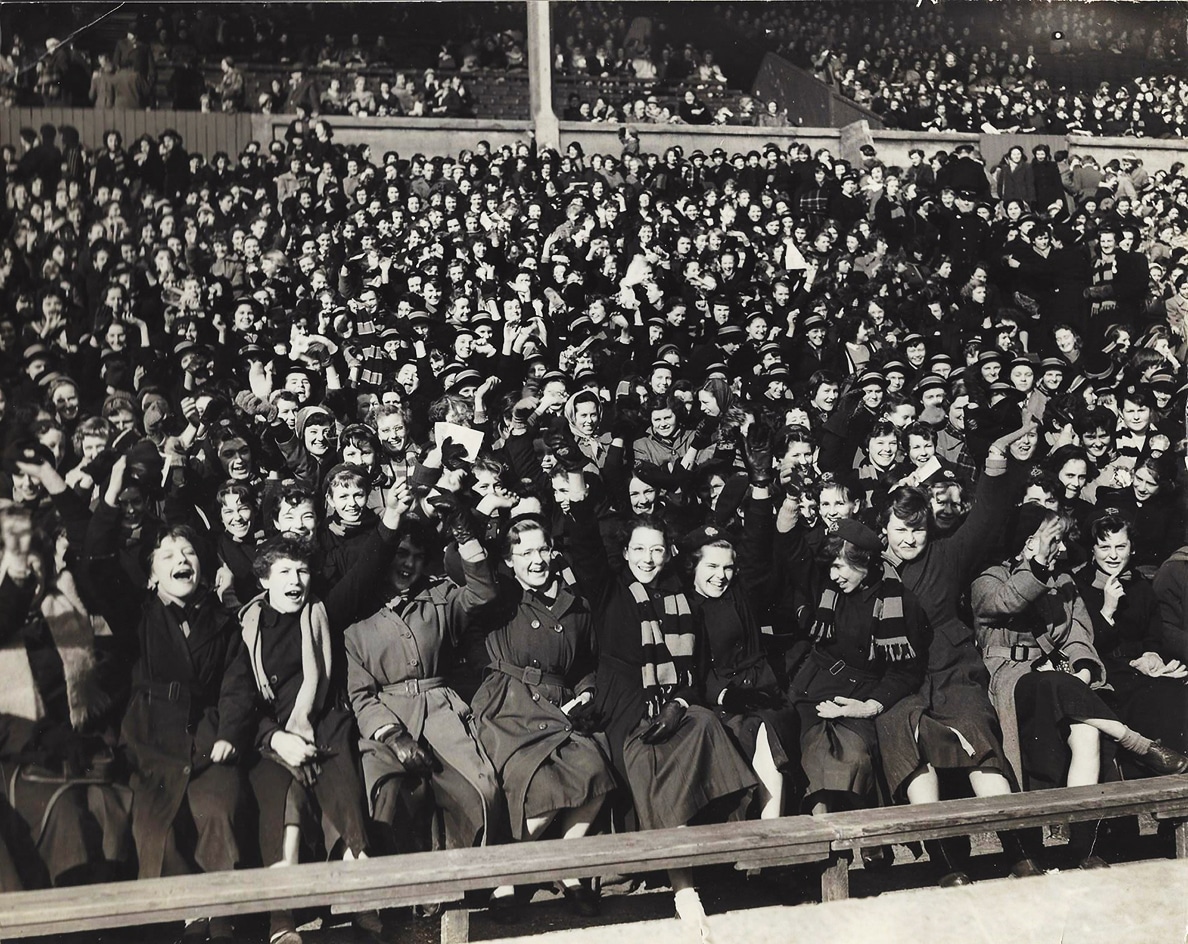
[
  {"x": 542, "y": 654},
  {"x": 397, "y": 660}
]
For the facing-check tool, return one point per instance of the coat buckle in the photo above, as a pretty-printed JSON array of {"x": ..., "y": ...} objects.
[
  {"x": 532, "y": 675},
  {"x": 837, "y": 667}
]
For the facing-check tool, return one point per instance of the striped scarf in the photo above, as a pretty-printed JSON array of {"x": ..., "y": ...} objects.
[
  {"x": 888, "y": 637},
  {"x": 1104, "y": 270},
  {"x": 667, "y": 640}
]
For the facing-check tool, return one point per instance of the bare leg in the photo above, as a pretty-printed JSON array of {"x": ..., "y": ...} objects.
[
  {"x": 1084, "y": 740},
  {"x": 924, "y": 786},
  {"x": 989, "y": 783},
  {"x": 771, "y": 781}
]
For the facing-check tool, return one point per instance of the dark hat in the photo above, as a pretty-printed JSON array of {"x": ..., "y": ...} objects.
[
  {"x": 702, "y": 536},
  {"x": 1163, "y": 379},
  {"x": 26, "y": 450},
  {"x": 1005, "y": 389},
  {"x": 418, "y": 317},
  {"x": 990, "y": 356},
  {"x": 858, "y": 534},
  {"x": 814, "y": 320},
  {"x": 944, "y": 473},
  {"x": 932, "y": 382},
  {"x": 911, "y": 339},
  {"x": 1027, "y": 522},
  {"x": 1021, "y": 360},
  {"x": 895, "y": 365},
  {"x": 871, "y": 377},
  {"x": 1053, "y": 363},
  {"x": 731, "y": 334}
]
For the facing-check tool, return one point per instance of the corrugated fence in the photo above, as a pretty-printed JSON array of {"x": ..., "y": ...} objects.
[{"x": 201, "y": 132}]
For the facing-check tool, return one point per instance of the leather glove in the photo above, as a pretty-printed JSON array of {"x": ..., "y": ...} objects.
[
  {"x": 456, "y": 517},
  {"x": 569, "y": 457},
  {"x": 703, "y": 436},
  {"x": 738, "y": 700},
  {"x": 415, "y": 758},
  {"x": 585, "y": 718},
  {"x": 757, "y": 455},
  {"x": 666, "y": 723},
  {"x": 453, "y": 455}
]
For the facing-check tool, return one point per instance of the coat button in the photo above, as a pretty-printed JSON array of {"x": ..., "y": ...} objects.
[
  {"x": 542, "y": 725},
  {"x": 536, "y": 624},
  {"x": 272, "y": 679},
  {"x": 536, "y": 663},
  {"x": 569, "y": 727},
  {"x": 414, "y": 662},
  {"x": 186, "y": 769},
  {"x": 536, "y": 696}
]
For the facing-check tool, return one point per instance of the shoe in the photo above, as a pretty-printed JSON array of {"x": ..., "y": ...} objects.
[
  {"x": 428, "y": 911},
  {"x": 503, "y": 909},
  {"x": 1026, "y": 868},
  {"x": 1093, "y": 862},
  {"x": 581, "y": 899},
  {"x": 1163, "y": 760},
  {"x": 369, "y": 924},
  {"x": 877, "y": 858},
  {"x": 195, "y": 932},
  {"x": 222, "y": 931},
  {"x": 285, "y": 937},
  {"x": 955, "y": 880}
]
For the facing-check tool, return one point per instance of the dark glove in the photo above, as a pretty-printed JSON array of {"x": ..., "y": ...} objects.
[
  {"x": 623, "y": 426},
  {"x": 1099, "y": 291},
  {"x": 453, "y": 455},
  {"x": 456, "y": 517},
  {"x": 757, "y": 455},
  {"x": 666, "y": 723},
  {"x": 563, "y": 446},
  {"x": 737, "y": 700},
  {"x": 703, "y": 436},
  {"x": 60, "y": 748},
  {"x": 415, "y": 758},
  {"x": 585, "y": 718}
]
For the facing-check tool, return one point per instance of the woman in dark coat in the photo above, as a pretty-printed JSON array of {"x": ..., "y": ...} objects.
[
  {"x": 306, "y": 782},
  {"x": 184, "y": 726},
  {"x": 1149, "y": 689},
  {"x": 949, "y": 723},
  {"x": 535, "y": 709},
  {"x": 674, "y": 755},
  {"x": 870, "y": 636},
  {"x": 739, "y": 679},
  {"x": 1149, "y": 504}
]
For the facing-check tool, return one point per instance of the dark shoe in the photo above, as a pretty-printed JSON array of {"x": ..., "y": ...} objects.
[
  {"x": 1093, "y": 862},
  {"x": 582, "y": 900},
  {"x": 1026, "y": 868},
  {"x": 428, "y": 911},
  {"x": 955, "y": 880},
  {"x": 504, "y": 909},
  {"x": 1163, "y": 760},
  {"x": 877, "y": 858},
  {"x": 368, "y": 924},
  {"x": 222, "y": 931},
  {"x": 195, "y": 932}
]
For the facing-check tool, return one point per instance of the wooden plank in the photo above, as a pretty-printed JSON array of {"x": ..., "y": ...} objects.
[
  {"x": 421, "y": 878},
  {"x": 835, "y": 879},
  {"x": 455, "y": 926},
  {"x": 961, "y": 817},
  {"x": 1182, "y": 839}
]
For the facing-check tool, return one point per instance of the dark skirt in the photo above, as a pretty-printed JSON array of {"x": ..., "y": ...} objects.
[
  {"x": 923, "y": 728},
  {"x": 836, "y": 754},
  {"x": 1048, "y": 703},
  {"x": 671, "y": 783},
  {"x": 783, "y": 732}
]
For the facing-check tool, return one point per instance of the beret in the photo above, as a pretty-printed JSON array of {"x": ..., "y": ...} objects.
[{"x": 858, "y": 534}]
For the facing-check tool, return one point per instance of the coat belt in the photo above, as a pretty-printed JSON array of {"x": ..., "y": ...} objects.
[{"x": 414, "y": 686}]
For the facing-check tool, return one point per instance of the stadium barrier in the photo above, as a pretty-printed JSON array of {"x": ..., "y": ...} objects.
[{"x": 446, "y": 877}]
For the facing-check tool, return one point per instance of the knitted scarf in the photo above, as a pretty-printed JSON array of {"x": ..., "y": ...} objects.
[
  {"x": 667, "y": 641},
  {"x": 888, "y": 636},
  {"x": 315, "y": 662}
]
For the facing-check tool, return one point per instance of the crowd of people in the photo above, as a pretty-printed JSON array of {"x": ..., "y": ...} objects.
[
  {"x": 361, "y": 503},
  {"x": 975, "y": 69}
]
